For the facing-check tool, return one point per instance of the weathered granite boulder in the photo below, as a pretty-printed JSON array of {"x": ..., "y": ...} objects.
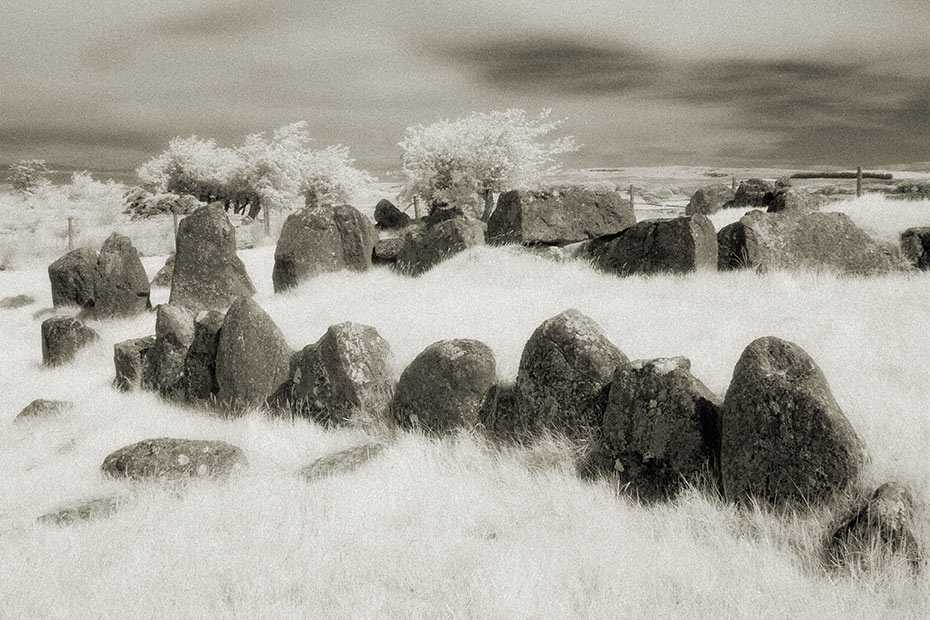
[
  {"x": 342, "y": 462},
  {"x": 800, "y": 241},
  {"x": 16, "y": 301},
  {"x": 319, "y": 240},
  {"x": 62, "y": 338},
  {"x": 661, "y": 429},
  {"x": 208, "y": 273},
  {"x": 790, "y": 199},
  {"x": 74, "y": 278},
  {"x": 710, "y": 199},
  {"x": 200, "y": 364},
  {"x": 565, "y": 370},
  {"x": 42, "y": 408},
  {"x": 350, "y": 368},
  {"x": 445, "y": 386},
  {"x": 753, "y": 193},
  {"x": 915, "y": 244},
  {"x": 133, "y": 360},
  {"x": 877, "y": 531},
  {"x": 172, "y": 459},
  {"x": 252, "y": 357},
  {"x": 386, "y": 251},
  {"x": 389, "y": 216},
  {"x": 558, "y": 216},
  {"x": 678, "y": 245},
  {"x": 784, "y": 439},
  {"x": 174, "y": 333},
  {"x": 424, "y": 248},
  {"x": 164, "y": 275},
  {"x": 122, "y": 286}
]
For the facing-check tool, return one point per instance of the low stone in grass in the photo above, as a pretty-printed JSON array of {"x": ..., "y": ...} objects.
[
  {"x": 790, "y": 199},
  {"x": 200, "y": 364},
  {"x": 566, "y": 366},
  {"x": 173, "y": 459},
  {"x": 17, "y": 301},
  {"x": 424, "y": 248},
  {"x": 62, "y": 338},
  {"x": 122, "y": 286},
  {"x": 388, "y": 216},
  {"x": 42, "y": 408},
  {"x": 133, "y": 361},
  {"x": 74, "y": 278},
  {"x": 386, "y": 251},
  {"x": 174, "y": 333},
  {"x": 661, "y": 429},
  {"x": 710, "y": 199},
  {"x": 163, "y": 277},
  {"x": 877, "y": 530},
  {"x": 445, "y": 386},
  {"x": 342, "y": 462},
  {"x": 84, "y": 510},
  {"x": 915, "y": 244},
  {"x": 753, "y": 193},
  {"x": 784, "y": 438}
]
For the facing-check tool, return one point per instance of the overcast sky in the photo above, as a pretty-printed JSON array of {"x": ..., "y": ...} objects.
[{"x": 106, "y": 83}]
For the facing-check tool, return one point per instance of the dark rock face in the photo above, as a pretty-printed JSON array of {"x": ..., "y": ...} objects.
[
  {"x": 753, "y": 193},
  {"x": 172, "y": 459},
  {"x": 424, "y": 248},
  {"x": 319, "y": 240},
  {"x": 342, "y": 462},
  {"x": 710, "y": 199},
  {"x": 915, "y": 243},
  {"x": 800, "y": 240},
  {"x": 122, "y": 286},
  {"x": 74, "y": 278},
  {"x": 164, "y": 275},
  {"x": 784, "y": 439},
  {"x": 876, "y": 531},
  {"x": 200, "y": 364},
  {"x": 349, "y": 369},
  {"x": 252, "y": 358},
  {"x": 84, "y": 510},
  {"x": 174, "y": 333},
  {"x": 386, "y": 251},
  {"x": 558, "y": 216},
  {"x": 790, "y": 199},
  {"x": 566, "y": 366},
  {"x": 389, "y": 216},
  {"x": 661, "y": 428},
  {"x": 445, "y": 387},
  {"x": 17, "y": 301},
  {"x": 208, "y": 274},
  {"x": 499, "y": 414},
  {"x": 442, "y": 212},
  {"x": 41, "y": 408},
  {"x": 62, "y": 338},
  {"x": 680, "y": 245},
  {"x": 133, "y": 360}
]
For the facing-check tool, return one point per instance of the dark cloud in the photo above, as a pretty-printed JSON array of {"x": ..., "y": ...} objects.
[
  {"x": 45, "y": 135},
  {"x": 230, "y": 20}
]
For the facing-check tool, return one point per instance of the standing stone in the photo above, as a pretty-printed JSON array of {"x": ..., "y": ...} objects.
[
  {"x": 661, "y": 428},
  {"x": 74, "y": 278},
  {"x": 62, "y": 338},
  {"x": 710, "y": 199},
  {"x": 174, "y": 459},
  {"x": 174, "y": 333},
  {"x": 566, "y": 366},
  {"x": 389, "y": 216},
  {"x": 915, "y": 244},
  {"x": 164, "y": 275},
  {"x": 135, "y": 367},
  {"x": 679, "y": 245},
  {"x": 795, "y": 200},
  {"x": 208, "y": 274},
  {"x": 425, "y": 248},
  {"x": 122, "y": 286},
  {"x": 41, "y": 408},
  {"x": 319, "y": 240},
  {"x": 753, "y": 193},
  {"x": 445, "y": 386},
  {"x": 252, "y": 358},
  {"x": 784, "y": 439},
  {"x": 558, "y": 216},
  {"x": 350, "y": 368},
  {"x": 200, "y": 364}
]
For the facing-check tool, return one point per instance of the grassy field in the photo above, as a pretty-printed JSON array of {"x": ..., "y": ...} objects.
[{"x": 459, "y": 528}]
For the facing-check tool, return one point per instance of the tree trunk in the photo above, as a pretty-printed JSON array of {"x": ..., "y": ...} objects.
[
  {"x": 254, "y": 208},
  {"x": 488, "y": 196}
]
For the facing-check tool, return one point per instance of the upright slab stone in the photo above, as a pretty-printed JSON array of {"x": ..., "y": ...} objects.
[
  {"x": 710, "y": 199},
  {"x": 208, "y": 273},
  {"x": 319, "y": 240},
  {"x": 122, "y": 286},
  {"x": 784, "y": 439},
  {"x": 424, "y": 248},
  {"x": 252, "y": 357},
  {"x": 62, "y": 338},
  {"x": 566, "y": 366},
  {"x": 200, "y": 364},
  {"x": 133, "y": 361},
  {"x": 74, "y": 278},
  {"x": 174, "y": 333},
  {"x": 558, "y": 216}
]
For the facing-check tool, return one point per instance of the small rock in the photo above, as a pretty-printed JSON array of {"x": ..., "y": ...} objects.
[
  {"x": 342, "y": 462},
  {"x": 18, "y": 301},
  {"x": 915, "y": 244},
  {"x": 795, "y": 200},
  {"x": 753, "y": 193},
  {"x": 386, "y": 251},
  {"x": 710, "y": 199},
  {"x": 172, "y": 459},
  {"x": 62, "y": 338},
  {"x": 425, "y": 248},
  {"x": 41, "y": 408},
  {"x": 84, "y": 510},
  {"x": 134, "y": 364}
]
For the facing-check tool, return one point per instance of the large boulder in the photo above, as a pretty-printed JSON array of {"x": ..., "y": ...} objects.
[
  {"x": 445, "y": 386},
  {"x": 134, "y": 364},
  {"x": 710, "y": 199},
  {"x": 74, "y": 278},
  {"x": 42, "y": 408},
  {"x": 389, "y": 216},
  {"x": 791, "y": 199},
  {"x": 174, "y": 333},
  {"x": 200, "y": 364},
  {"x": 350, "y": 368},
  {"x": 208, "y": 273},
  {"x": 753, "y": 193},
  {"x": 565, "y": 370},
  {"x": 558, "y": 216},
  {"x": 784, "y": 439},
  {"x": 319, "y": 240},
  {"x": 661, "y": 429},
  {"x": 423, "y": 248},
  {"x": 679, "y": 245},
  {"x": 252, "y": 356},
  {"x": 915, "y": 245},
  {"x": 62, "y": 338},
  {"x": 122, "y": 286},
  {"x": 172, "y": 459},
  {"x": 793, "y": 240}
]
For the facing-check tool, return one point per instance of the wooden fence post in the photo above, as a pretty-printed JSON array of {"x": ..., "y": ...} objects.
[
  {"x": 733, "y": 183},
  {"x": 174, "y": 216},
  {"x": 631, "y": 194},
  {"x": 267, "y": 214},
  {"x": 858, "y": 181},
  {"x": 416, "y": 207},
  {"x": 70, "y": 234}
]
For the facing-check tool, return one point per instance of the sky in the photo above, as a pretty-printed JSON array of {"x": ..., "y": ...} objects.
[{"x": 105, "y": 84}]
